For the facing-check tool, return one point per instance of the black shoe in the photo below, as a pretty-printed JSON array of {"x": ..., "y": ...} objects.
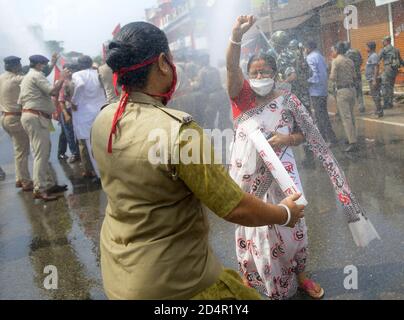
[
  {"x": 57, "y": 189},
  {"x": 63, "y": 157},
  {"x": 379, "y": 114},
  {"x": 352, "y": 148}
]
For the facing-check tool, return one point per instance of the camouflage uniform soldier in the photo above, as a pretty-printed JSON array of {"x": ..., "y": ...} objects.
[
  {"x": 392, "y": 62},
  {"x": 294, "y": 72},
  {"x": 357, "y": 59},
  {"x": 292, "y": 66}
]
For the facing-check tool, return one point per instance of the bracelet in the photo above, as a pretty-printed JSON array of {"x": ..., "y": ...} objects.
[
  {"x": 289, "y": 215},
  {"x": 234, "y": 42}
]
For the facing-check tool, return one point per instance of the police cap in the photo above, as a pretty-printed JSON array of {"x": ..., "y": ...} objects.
[{"x": 38, "y": 59}]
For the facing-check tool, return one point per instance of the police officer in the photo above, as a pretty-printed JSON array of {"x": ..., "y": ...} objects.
[
  {"x": 10, "y": 82},
  {"x": 37, "y": 109},
  {"x": 392, "y": 62},
  {"x": 357, "y": 59}
]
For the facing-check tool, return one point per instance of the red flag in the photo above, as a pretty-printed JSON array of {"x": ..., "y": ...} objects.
[
  {"x": 58, "y": 68},
  {"x": 116, "y": 30}
]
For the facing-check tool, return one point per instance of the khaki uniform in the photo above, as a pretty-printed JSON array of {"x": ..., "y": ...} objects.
[
  {"x": 11, "y": 122},
  {"x": 154, "y": 239},
  {"x": 35, "y": 95},
  {"x": 343, "y": 74},
  {"x": 106, "y": 76}
]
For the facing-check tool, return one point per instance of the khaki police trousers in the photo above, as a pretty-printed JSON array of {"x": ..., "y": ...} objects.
[
  {"x": 346, "y": 100},
  {"x": 37, "y": 129},
  {"x": 12, "y": 125}
]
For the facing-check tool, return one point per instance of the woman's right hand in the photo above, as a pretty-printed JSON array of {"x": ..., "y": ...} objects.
[
  {"x": 296, "y": 210},
  {"x": 243, "y": 24}
]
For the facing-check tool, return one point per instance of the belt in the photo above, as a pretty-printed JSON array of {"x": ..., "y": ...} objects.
[
  {"x": 38, "y": 113},
  {"x": 16, "y": 114},
  {"x": 346, "y": 87}
]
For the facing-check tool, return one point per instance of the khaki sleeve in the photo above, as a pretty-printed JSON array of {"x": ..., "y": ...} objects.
[
  {"x": 333, "y": 75},
  {"x": 43, "y": 84},
  {"x": 210, "y": 183}
]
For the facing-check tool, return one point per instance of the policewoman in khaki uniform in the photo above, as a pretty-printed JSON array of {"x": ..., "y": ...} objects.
[
  {"x": 10, "y": 82},
  {"x": 37, "y": 109},
  {"x": 154, "y": 239}
]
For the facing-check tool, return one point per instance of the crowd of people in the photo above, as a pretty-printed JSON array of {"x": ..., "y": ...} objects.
[
  {"x": 29, "y": 102},
  {"x": 154, "y": 240}
]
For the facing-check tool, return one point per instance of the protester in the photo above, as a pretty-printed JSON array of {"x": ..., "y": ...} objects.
[
  {"x": 373, "y": 78},
  {"x": 10, "y": 82},
  {"x": 276, "y": 276},
  {"x": 344, "y": 76},
  {"x": 37, "y": 110},
  {"x": 154, "y": 240},
  {"x": 87, "y": 101},
  {"x": 65, "y": 116}
]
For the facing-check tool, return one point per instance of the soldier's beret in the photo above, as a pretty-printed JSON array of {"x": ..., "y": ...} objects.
[{"x": 38, "y": 59}]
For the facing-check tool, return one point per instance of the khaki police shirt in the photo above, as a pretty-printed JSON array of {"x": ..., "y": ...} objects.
[
  {"x": 106, "y": 76},
  {"x": 154, "y": 240},
  {"x": 10, "y": 91},
  {"x": 343, "y": 72},
  {"x": 35, "y": 93}
]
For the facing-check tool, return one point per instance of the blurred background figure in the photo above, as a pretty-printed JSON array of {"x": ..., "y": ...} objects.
[
  {"x": 392, "y": 62},
  {"x": 67, "y": 137},
  {"x": 10, "y": 83},
  {"x": 343, "y": 74},
  {"x": 357, "y": 59},
  {"x": 87, "y": 101},
  {"x": 372, "y": 76}
]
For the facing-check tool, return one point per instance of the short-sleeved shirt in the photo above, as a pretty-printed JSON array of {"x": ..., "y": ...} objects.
[
  {"x": 35, "y": 93},
  {"x": 372, "y": 63},
  {"x": 343, "y": 72},
  {"x": 10, "y": 91}
]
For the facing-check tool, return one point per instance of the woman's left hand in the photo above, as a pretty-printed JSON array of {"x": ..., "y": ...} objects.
[{"x": 279, "y": 140}]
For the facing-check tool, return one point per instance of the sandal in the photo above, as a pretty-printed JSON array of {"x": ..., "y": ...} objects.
[{"x": 309, "y": 287}]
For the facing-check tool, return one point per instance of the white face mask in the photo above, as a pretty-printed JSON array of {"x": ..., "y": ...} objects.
[{"x": 262, "y": 87}]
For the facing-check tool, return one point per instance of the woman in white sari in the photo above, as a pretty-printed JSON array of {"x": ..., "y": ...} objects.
[{"x": 273, "y": 258}]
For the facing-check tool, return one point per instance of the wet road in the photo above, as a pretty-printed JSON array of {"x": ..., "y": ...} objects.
[{"x": 65, "y": 234}]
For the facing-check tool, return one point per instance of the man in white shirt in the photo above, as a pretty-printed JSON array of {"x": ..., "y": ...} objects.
[{"x": 88, "y": 99}]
